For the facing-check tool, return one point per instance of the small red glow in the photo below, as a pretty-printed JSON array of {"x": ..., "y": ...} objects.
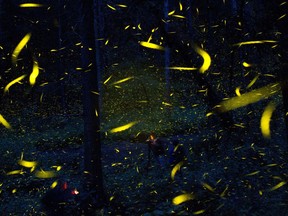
[
  {"x": 75, "y": 192},
  {"x": 65, "y": 186}
]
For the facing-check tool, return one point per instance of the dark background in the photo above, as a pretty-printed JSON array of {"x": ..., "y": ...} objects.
[{"x": 225, "y": 150}]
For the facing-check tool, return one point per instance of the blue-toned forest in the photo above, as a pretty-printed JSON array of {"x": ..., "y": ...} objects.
[{"x": 143, "y": 107}]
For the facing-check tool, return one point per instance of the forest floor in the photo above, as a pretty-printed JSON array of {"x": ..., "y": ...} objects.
[{"x": 223, "y": 177}]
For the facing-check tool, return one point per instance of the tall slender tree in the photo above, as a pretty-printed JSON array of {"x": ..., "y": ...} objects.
[
  {"x": 91, "y": 109},
  {"x": 167, "y": 52},
  {"x": 283, "y": 76}
]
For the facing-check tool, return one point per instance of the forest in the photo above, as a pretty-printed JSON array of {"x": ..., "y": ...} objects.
[{"x": 143, "y": 107}]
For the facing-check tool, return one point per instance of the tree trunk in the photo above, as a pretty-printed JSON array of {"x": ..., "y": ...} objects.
[
  {"x": 60, "y": 71},
  {"x": 167, "y": 52},
  {"x": 91, "y": 110},
  {"x": 282, "y": 27}
]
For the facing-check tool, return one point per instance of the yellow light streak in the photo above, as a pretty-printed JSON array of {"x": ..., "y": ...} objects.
[
  {"x": 17, "y": 80},
  {"x": 278, "y": 186},
  {"x": 178, "y": 16},
  {"x": 34, "y": 74},
  {"x": 123, "y": 127},
  {"x": 265, "y": 120},
  {"x": 122, "y": 80},
  {"x": 182, "y": 198},
  {"x": 206, "y": 58},
  {"x": 15, "y": 172},
  {"x": 175, "y": 169},
  {"x": 111, "y": 7},
  {"x": 245, "y": 64},
  {"x": 237, "y": 91},
  {"x": 107, "y": 80},
  {"x": 45, "y": 174},
  {"x": 30, "y": 5},
  {"x": 182, "y": 68},
  {"x": 151, "y": 45},
  {"x": 19, "y": 47},
  {"x": 208, "y": 187},
  {"x": 249, "y": 97},
  {"x": 252, "y": 81},
  {"x": 27, "y": 164},
  {"x": 254, "y": 42},
  {"x": 4, "y": 122}
]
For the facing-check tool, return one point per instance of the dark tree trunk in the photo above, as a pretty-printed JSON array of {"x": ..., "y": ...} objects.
[
  {"x": 167, "y": 52},
  {"x": 60, "y": 71},
  {"x": 189, "y": 22},
  {"x": 91, "y": 109},
  {"x": 283, "y": 75}
]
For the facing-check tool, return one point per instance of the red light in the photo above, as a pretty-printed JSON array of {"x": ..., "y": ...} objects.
[
  {"x": 65, "y": 186},
  {"x": 75, "y": 192}
]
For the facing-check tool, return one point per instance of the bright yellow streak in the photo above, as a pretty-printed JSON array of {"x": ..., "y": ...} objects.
[
  {"x": 58, "y": 168},
  {"x": 265, "y": 120},
  {"x": 170, "y": 13},
  {"x": 205, "y": 56},
  {"x": 178, "y": 16},
  {"x": 4, "y": 122},
  {"x": 28, "y": 164},
  {"x": 122, "y": 80},
  {"x": 254, "y": 42},
  {"x": 278, "y": 186},
  {"x": 180, "y": 6},
  {"x": 54, "y": 184},
  {"x": 209, "y": 114},
  {"x": 237, "y": 91},
  {"x": 34, "y": 74},
  {"x": 15, "y": 172},
  {"x": 19, "y": 47},
  {"x": 123, "y": 127},
  {"x": 151, "y": 45},
  {"x": 252, "y": 82},
  {"x": 45, "y": 174},
  {"x": 245, "y": 64},
  {"x": 122, "y": 5},
  {"x": 182, "y": 68},
  {"x": 26, "y": 5},
  {"x": 17, "y": 80},
  {"x": 175, "y": 169},
  {"x": 112, "y": 8},
  {"x": 249, "y": 98},
  {"x": 149, "y": 39},
  {"x": 107, "y": 80},
  {"x": 182, "y": 198}
]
